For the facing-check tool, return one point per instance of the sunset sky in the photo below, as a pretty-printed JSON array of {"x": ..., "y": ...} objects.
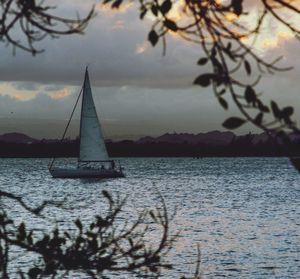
[{"x": 137, "y": 91}]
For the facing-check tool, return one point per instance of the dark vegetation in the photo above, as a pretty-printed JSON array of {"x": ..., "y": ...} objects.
[
  {"x": 172, "y": 145},
  {"x": 35, "y": 21},
  {"x": 94, "y": 250}
]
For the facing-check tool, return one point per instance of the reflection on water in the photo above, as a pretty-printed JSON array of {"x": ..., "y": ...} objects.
[{"x": 244, "y": 212}]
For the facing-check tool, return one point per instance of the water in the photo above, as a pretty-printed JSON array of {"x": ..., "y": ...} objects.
[{"x": 244, "y": 212}]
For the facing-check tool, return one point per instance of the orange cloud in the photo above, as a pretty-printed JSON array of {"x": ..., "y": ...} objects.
[
  {"x": 108, "y": 10},
  {"x": 7, "y": 89},
  {"x": 276, "y": 41},
  {"x": 118, "y": 25},
  {"x": 60, "y": 94},
  {"x": 140, "y": 48}
]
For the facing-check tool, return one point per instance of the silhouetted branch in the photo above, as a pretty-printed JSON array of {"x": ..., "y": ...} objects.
[
  {"x": 102, "y": 246},
  {"x": 33, "y": 21},
  {"x": 229, "y": 45},
  {"x": 35, "y": 210}
]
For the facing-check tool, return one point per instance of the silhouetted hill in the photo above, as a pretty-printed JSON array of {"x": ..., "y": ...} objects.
[
  {"x": 211, "y": 144},
  {"x": 214, "y": 137},
  {"x": 17, "y": 138}
]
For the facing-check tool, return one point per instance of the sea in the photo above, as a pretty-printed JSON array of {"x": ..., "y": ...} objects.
[{"x": 243, "y": 213}]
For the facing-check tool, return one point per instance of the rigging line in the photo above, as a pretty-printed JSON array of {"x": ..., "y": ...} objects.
[{"x": 65, "y": 131}]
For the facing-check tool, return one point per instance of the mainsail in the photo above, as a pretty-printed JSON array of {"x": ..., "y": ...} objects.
[{"x": 92, "y": 146}]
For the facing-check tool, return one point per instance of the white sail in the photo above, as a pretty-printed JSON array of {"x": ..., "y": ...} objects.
[{"x": 92, "y": 146}]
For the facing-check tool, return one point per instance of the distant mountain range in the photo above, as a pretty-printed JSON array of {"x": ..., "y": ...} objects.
[
  {"x": 211, "y": 144},
  {"x": 212, "y": 138}
]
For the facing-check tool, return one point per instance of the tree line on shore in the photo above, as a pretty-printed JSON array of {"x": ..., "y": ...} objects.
[{"x": 238, "y": 146}]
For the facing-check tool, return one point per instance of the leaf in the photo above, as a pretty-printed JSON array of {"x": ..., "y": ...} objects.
[
  {"x": 43, "y": 243},
  {"x": 21, "y": 232},
  {"x": 50, "y": 268},
  {"x": 233, "y": 122},
  {"x": 262, "y": 107},
  {"x": 143, "y": 13},
  {"x": 29, "y": 238},
  {"x": 204, "y": 80},
  {"x": 171, "y": 25},
  {"x": 230, "y": 54},
  {"x": 34, "y": 272},
  {"x": 202, "y": 61},
  {"x": 250, "y": 95},
  {"x": 102, "y": 222},
  {"x": 154, "y": 10},
  {"x": 247, "y": 67},
  {"x": 223, "y": 102},
  {"x": 276, "y": 111},
  {"x": 108, "y": 196},
  {"x": 258, "y": 118},
  {"x": 78, "y": 224},
  {"x": 166, "y": 7},
  {"x": 153, "y": 37},
  {"x": 116, "y": 4},
  {"x": 287, "y": 111},
  {"x": 79, "y": 240},
  {"x": 218, "y": 66},
  {"x": 237, "y": 6}
]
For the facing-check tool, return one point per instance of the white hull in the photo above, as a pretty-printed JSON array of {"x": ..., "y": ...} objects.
[{"x": 85, "y": 173}]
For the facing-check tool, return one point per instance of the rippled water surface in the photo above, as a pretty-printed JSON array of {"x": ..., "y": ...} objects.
[{"x": 244, "y": 212}]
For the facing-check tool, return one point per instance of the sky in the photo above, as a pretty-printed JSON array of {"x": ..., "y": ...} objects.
[{"x": 137, "y": 90}]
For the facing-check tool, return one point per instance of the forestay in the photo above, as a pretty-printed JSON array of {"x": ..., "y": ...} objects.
[{"x": 92, "y": 146}]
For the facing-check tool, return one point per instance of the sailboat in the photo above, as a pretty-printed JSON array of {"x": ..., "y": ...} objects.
[{"x": 93, "y": 160}]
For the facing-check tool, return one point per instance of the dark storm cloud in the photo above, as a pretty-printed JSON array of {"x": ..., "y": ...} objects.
[
  {"x": 110, "y": 46},
  {"x": 111, "y": 51}
]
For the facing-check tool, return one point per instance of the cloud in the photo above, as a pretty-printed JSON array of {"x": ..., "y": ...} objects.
[
  {"x": 137, "y": 91},
  {"x": 27, "y": 86},
  {"x": 115, "y": 47},
  {"x": 53, "y": 87},
  {"x": 288, "y": 49},
  {"x": 111, "y": 47},
  {"x": 142, "y": 47},
  {"x": 60, "y": 94}
]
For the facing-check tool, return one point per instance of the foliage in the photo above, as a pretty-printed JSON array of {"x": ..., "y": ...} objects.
[
  {"x": 221, "y": 29},
  {"x": 34, "y": 21},
  {"x": 105, "y": 246}
]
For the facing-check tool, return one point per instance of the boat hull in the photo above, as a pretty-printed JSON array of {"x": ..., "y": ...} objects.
[{"x": 85, "y": 173}]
